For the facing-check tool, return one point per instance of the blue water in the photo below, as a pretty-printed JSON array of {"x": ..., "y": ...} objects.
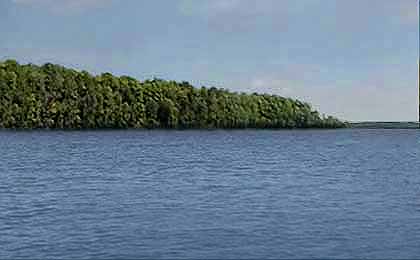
[{"x": 210, "y": 194}]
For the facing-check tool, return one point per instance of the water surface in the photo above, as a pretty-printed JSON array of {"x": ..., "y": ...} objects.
[{"x": 210, "y": 194}]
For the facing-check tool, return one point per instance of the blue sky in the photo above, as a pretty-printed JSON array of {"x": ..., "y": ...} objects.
[{"x": 356, "y": 60}]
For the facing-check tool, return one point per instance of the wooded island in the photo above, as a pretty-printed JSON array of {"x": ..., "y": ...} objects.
[{"x": 54, "y": 97}]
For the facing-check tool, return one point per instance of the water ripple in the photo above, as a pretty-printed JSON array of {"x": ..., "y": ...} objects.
[{"x": 210, "y": 194}]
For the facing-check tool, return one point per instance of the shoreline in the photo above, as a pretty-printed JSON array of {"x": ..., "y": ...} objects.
[{"x": 385, "y": 125}]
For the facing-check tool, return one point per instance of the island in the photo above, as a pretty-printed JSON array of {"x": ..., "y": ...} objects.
[{"x": 55, "y": 97}]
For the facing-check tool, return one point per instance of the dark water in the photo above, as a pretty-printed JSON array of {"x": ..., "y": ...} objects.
[{"x": 210, "y": 194}]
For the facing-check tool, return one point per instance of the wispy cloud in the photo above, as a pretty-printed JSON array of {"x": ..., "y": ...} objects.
[
  {"x": 235, "y": 7},
  {"x": 64, "y": 6},
  {"x": 384, "y": 94},
  {"x": 235, "y": 15},
  {"x": 409, "y": 12},
  {"x": 346, "y": 15},
  {"x": 273, "y": 85}
]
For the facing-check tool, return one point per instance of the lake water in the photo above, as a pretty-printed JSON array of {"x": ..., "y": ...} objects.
[{"x": 210, "y": 194}]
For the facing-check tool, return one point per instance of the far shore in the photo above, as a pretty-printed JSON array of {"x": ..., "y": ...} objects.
[{"x": 385, "y": 125}]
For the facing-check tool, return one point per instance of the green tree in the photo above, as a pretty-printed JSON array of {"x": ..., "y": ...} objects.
[{"x": 51, "y": 96}]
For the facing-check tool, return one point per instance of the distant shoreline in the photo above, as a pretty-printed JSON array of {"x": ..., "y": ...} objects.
[
  {"x": 385, "y": 125},
  {"x": 350, "y": 126}
]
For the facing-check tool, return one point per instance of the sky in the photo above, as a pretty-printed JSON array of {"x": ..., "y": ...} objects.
[{"x": 356, "y": 60}]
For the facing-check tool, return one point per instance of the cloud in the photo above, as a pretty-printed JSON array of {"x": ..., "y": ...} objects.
[
  {"x": 223, "y": 5},
  {"x": 357, "y": 101},
  {"x": 193, "y": 7},
  {"x": 237, "y": 7},
  {"x": 64, "y": 6},
  {"x": 409, "y": 12},
  {"x": 352, "y": 15},
  {"x": 387, "y": 95},
  {"x": 235, "y": 15},
  {"x": 272, "y": 85}
]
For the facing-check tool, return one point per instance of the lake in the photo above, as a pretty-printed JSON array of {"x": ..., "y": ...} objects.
[{"x": 350, "y": 193}]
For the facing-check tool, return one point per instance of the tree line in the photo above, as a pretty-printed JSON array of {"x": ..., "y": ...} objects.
[{"x": 55, "y": 97}]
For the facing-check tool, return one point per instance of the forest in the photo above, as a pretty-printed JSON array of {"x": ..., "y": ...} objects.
[{"x": 54, "y": 97}]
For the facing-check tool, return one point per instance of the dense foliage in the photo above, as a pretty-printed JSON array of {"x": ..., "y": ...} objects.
[{"x": 51, "y": 96}]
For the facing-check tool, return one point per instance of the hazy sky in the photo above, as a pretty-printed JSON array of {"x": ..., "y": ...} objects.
[{"x": 354, "y": 59}]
